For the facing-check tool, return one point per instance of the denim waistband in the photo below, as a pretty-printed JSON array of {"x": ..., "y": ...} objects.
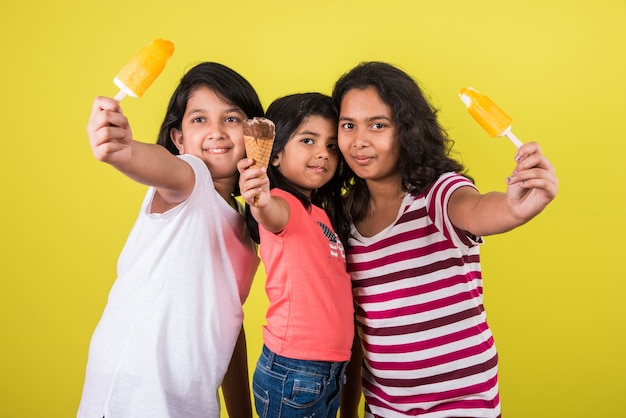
[{"x": 328, "y": 368}]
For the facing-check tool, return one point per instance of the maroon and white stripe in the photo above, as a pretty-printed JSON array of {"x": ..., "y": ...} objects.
[{"x": 428, "y": 349}]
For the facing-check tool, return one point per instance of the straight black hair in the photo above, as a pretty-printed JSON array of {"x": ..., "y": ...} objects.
[
  {"x": 229, "y": 85},
  {"x": 288, "y": 113}
]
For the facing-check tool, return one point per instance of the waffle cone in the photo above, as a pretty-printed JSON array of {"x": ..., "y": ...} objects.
[{"x": 258, "y": 134}]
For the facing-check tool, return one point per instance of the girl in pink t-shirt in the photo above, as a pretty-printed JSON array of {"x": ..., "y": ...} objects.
[{"x": 310, "y": 328}]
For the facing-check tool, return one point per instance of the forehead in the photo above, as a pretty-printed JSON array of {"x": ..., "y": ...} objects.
[
  {"x": 317, "y": 124},
  {"x": 363, "y": 103},
  {"x": 205, "y": 99}
]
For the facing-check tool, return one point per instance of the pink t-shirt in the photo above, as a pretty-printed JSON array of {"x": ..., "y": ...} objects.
[{"x": 310, "y": 315}]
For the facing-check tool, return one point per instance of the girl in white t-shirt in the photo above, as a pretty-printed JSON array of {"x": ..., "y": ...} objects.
[{"x": 174, "y": 315}]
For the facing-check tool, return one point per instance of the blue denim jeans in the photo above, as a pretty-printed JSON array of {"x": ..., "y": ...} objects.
[{"x": 290, "y": 388}]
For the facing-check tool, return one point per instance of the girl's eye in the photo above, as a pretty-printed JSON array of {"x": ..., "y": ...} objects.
[
  {"x": 347, "y": 125},
  {"x": 232, "y": 119},
  {"x": 378, "y": 125},
  {"x": 306, "y": 140},
  {"x": 333, "y": 147},
  {"x": 199, "y": 119}
]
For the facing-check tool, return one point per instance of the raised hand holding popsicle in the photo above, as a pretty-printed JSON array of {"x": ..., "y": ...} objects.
[
  {"x": 493, "y": 119},
  {"x": 135, "y": 78}
]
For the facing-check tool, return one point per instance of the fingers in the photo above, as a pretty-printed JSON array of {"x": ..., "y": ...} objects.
[
  {"x": 536, "y": 179},
  {"x": 108, "y": 129},
  {"x": 103, "y": 105},
  {"x": 534, "y": 171},
  {"x": 106, "y": 103},
  {"x": 106, "y": 113},
  {"x": 252, "y": 181},
  {"x": 244, "y": 164},
  {"x": 107, "y": 133},
  {"x": 529, "y": 156}
]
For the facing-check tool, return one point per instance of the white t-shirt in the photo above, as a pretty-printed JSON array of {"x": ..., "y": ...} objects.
[{"x": 167, "y": 334}]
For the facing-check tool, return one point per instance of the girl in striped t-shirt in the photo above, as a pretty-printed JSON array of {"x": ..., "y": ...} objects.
[{"x": 425, "y": 347}]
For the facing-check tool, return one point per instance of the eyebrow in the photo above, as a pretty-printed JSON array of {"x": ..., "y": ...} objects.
[
  {"x": 370, "y": 119},
  {"x": 315, "y": 134},
  {"x": 203, "y": 110},
  {"x": 311, "y": 133}
]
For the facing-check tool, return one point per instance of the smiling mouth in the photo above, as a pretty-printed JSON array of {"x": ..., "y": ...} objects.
[
  {"x": 318, "y": 169},
  {"x": 216, "y": 150},
  {"x": 361, "y": 159}
]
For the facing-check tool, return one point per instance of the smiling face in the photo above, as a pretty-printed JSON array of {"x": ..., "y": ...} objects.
[
  {"x": 310, "y": 157},
  {"x": 212, "y": 130},
  {"x": 368, "y": 137}
]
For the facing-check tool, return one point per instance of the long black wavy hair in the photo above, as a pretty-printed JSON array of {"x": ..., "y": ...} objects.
[{"x": 424, "y": 145}]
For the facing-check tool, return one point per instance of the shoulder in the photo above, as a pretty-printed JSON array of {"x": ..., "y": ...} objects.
[
  {"x": 297, "y": 211},
  {"x": 200, "y": 170},
  {"x": 291, "y": 200},
  {"x": 446, "y": 184},
  {"x": 197, "y": 165}
]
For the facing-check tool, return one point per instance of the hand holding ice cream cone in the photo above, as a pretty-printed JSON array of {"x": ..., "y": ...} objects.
[{"x": 258, "y": 134}]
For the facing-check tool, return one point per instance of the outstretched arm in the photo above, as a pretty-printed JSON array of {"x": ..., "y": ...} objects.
[
  {"x": 531, "y": 187},
  {"x": 112, "y": 142},
  {"x": 271, "y": 212},
  {"x": 236, "y": 384}
]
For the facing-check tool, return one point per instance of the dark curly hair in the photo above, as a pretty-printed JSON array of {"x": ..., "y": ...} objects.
[{"x": 424, "y": 145}]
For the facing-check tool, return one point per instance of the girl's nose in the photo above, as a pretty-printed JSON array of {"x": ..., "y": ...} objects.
[
  {"x": 216, "y": 131},
  {"x": 358, "y": 138},
  {"x": 359, "y": 141},
  {"x": 322, "y": 152}
]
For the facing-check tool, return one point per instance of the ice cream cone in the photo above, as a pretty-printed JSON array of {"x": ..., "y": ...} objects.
[{"x": 258, "y": 134}]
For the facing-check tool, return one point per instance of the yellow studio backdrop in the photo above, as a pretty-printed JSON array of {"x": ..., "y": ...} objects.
[{"x": 554, "y": 288}]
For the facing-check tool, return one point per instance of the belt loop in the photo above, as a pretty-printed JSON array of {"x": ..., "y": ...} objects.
[
  {"x": 343, "y": 377},
  {"x": 270, "y": 359},
  {"x": 338, "y": 368}
]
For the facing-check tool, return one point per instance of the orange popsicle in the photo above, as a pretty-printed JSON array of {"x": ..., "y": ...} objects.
[
  {"x": 493, "y": 119},
  {"x": 135, "y": 78}
]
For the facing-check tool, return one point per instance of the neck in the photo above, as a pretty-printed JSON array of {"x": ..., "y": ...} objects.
[
  {"x": 225, "y": 189},
  {"x": 389, "y": 189}
]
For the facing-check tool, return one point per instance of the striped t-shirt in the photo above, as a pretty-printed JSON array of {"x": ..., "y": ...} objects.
[{"x": 428, "y": 350}]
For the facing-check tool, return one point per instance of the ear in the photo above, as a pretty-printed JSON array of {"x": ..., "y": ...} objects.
[
  {"x": 277, "y": 159},
  {"x": 176, "y": 136}
]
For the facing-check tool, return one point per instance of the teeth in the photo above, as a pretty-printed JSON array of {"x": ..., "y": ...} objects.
[{"x": 216, "y": 150}]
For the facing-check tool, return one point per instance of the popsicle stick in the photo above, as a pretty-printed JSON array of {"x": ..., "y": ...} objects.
[
  {"x": 513, "y": 138},
  {"x": 119, "y": 96}
]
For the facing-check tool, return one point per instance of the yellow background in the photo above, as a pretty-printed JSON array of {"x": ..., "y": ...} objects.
[{"x": 555, "y": 288}]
